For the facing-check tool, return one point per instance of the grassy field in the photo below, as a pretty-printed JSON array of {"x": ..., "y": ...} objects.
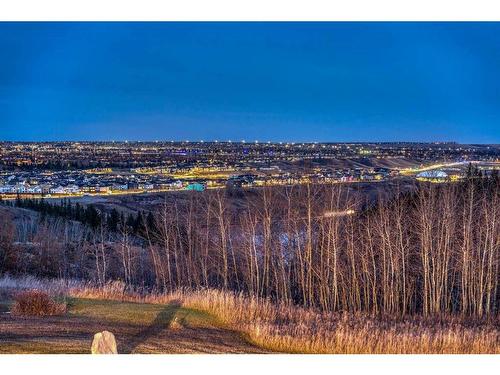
[
  {"x": 214, "y": 321},
  {"x": 138, "y": 327}
]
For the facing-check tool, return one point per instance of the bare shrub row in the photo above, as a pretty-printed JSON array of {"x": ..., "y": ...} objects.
[{"x": 36, "y": 303}]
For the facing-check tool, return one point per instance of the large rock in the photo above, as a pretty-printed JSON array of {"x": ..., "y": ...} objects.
[
  {"x": 104, "y": 343},
  {"x": 175, "y": 323}
]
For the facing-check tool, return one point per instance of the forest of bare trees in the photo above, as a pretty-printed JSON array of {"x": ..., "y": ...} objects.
[{"x": 432, "y": 249}]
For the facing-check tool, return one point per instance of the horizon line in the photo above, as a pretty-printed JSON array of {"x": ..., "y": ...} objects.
[{"x": 244, "y": 141}]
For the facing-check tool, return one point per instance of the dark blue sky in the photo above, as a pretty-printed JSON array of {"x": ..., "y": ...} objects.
[{"x": 274, "y": 81}]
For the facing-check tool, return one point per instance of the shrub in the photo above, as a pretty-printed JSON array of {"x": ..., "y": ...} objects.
[{"x": 36, "y": 303}]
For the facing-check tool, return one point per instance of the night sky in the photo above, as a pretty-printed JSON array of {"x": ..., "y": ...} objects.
[{"x": 252, "y": 81}]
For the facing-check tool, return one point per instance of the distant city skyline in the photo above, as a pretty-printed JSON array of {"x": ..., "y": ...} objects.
[
  {"x": 242, "y": 141},
  {"x": 290, "y": 82}
]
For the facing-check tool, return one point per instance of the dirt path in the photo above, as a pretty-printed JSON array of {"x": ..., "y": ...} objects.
[{"x": 138, "y": 328}]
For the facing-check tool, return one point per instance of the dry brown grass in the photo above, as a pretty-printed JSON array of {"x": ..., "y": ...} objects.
[
  {"x": 36, "y": 303},
  {"x": 299, "y": 330}
]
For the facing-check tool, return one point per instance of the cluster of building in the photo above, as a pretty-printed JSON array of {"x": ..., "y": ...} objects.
[
  {"x": 108, "y": 181},
  {"x": 81, "y": 183},
  {"x": 79, "y": 168},
  {"x": 170, "y": 154}
]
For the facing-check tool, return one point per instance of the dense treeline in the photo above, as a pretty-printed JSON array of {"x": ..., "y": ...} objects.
[
  {"x": 432, "y": 249},
  {"x": 88, "y": 215}
]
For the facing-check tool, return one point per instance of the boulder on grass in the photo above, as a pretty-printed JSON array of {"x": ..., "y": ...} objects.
[
  {"x": 175, "y": 323},
  {"x": 104, "y": 343}
]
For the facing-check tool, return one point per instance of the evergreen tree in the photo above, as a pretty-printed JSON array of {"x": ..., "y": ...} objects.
[
  {"x": 112, "y": 220},
  {"x": 92, "y": 217},
  {"x": 131, "y": 221},
  {"x": 150, "y": 222},
  {"x": 138, "y": 222}
]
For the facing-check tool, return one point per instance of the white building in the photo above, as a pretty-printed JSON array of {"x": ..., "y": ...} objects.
[{"x": 433, "y": 175}]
